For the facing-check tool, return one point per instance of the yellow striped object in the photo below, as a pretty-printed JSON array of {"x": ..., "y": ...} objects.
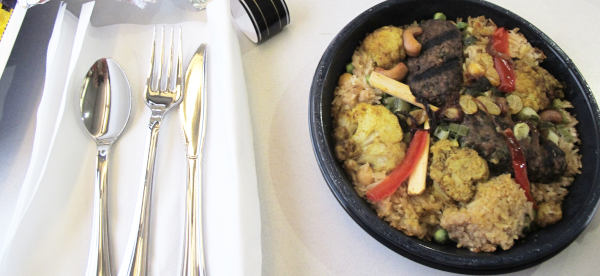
[{"x": 4, "y": 17}]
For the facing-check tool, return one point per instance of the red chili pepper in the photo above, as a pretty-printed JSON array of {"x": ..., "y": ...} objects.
[
  {"x": 519, "y": 164},
  {"x": 501, "y": 63},
  {"x": 506, "y": 74},
  {"x": 391, "y": 183},
  {"x": 500, "y": 41}
]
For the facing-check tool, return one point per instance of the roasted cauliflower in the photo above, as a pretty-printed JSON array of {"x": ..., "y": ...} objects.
[
  {"x": 385, "y": 46},
  {"x": 457, "y": 170},
  {"x": 374, "y": 136}
]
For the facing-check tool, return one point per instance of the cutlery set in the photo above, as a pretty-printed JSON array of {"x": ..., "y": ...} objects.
[{"x": 105, "y": 105}]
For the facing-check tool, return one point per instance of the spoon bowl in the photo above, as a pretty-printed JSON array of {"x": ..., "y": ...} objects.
[
  {"x": 105, "y": 104},
  {"x": 105, "y": 113}
]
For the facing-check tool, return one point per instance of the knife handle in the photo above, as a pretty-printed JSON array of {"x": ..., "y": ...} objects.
[{"x": 193, "y": 255}]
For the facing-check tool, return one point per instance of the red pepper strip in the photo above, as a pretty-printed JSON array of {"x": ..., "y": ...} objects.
[
  {"x": 500, "y": 41},
  {"x": 506, "y": 74},
  {"x": 519, "y": 164},
  {"x": 389, "y": 185},
  {"x": 501, "y": 64}
]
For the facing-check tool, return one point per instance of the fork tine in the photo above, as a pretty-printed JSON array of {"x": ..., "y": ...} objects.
[
  {"x": 150, "y": 81},
  {"x": 170, "y": 64},
  {"x": 159, "y": 68},
  {"x": 156, "y": 70},
  {"x": 158, "y": 59},
  {"x": 167, "y": 61},
  {"x": 179, "y": 81}
]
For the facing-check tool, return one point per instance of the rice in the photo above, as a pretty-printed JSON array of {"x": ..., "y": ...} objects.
[
  {"x": 495, "y": 217},
  {"x": 417, "y": 215}
]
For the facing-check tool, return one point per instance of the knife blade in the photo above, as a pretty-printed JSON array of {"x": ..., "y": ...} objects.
[
  {"x": 193, "y": 106},
  {"x": 193, "y": 117}
]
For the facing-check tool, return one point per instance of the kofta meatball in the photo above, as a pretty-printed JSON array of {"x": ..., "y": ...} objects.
[{"x": 487, "y": 141}]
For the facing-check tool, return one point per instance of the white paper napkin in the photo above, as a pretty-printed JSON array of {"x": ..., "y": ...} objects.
[
  {"x": 53, "y": 235},
  {"x": 58, "y": 61}
]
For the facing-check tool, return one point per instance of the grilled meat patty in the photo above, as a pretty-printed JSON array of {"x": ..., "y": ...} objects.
[
  {"x": 487, "y": 141},
  {"x": 545, "y": 160},
  {"x": 435, "y": 75}
]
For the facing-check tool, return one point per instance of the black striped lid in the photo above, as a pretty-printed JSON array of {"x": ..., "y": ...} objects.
[
  {"x": 8, "y": 4},
  {"x": 259, "y": 20}
]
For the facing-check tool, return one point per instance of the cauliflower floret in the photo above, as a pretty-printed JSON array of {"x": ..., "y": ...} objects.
[
  {"x": 457, "y": 170},
  {"x": 375, "y": 121},
  {"x": 374, "y": 136},
  {"x": 385, "y": 46}
]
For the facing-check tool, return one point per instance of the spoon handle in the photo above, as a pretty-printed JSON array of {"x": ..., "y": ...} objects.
[
  {"x": 99, "y": 255},
  {"x": 138, "y": 264}
]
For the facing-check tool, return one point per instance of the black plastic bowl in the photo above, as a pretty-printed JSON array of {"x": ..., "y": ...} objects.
[{"x": 578, "y": 207}]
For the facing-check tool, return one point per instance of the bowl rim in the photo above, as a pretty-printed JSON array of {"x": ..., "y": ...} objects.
[{"x": 330, "y": 167}]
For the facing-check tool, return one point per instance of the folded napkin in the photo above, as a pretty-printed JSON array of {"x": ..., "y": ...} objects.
[{"x": 52, "y": 226}]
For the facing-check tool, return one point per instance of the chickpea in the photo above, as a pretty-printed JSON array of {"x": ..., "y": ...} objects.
[
  {"x": 345, "y": 78},
  {"x": 364, "y": 174},
  {"x": 420, "y": 116},
  {"x": 475, "y": 69}
]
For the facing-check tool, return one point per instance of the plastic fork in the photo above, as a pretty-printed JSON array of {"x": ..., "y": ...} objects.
[{"x": 164, "y": 88}]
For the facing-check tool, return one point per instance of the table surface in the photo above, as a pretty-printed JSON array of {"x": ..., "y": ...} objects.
[{"x": 304, "y": 229}]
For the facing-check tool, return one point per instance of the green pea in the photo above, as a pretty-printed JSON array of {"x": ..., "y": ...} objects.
[
  {"x": 349, "y": 68},
  {"x": 440, "y": 236},
  {"x": 439, "y": 16},
  {"x": 461, "y": 25}
]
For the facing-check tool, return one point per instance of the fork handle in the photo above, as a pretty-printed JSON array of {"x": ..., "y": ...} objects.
[
  {"x": 193, "y": 259},
  {"x": 138, "y": 261}
]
